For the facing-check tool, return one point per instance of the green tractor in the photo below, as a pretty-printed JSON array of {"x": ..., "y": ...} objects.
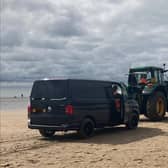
[{"x": 147, "y": 85}]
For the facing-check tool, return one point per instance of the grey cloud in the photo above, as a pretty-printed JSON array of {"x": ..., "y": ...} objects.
[
  {"x": 46, "y": 43},
  {"x": 29, "y": 5},
  {"x": 21, "y": 55},
  {"x": 11, "y": 38},
  {"x": 86, "y": 39},
  {"x": 83, "y": 46},
  {"x": 67, "y": 24}
]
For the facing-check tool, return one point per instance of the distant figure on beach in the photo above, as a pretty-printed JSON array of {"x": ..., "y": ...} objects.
[{"x": 22, "y": 95}]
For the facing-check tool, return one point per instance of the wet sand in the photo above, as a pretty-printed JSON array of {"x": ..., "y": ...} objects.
[{"x": 116, "y": 147}]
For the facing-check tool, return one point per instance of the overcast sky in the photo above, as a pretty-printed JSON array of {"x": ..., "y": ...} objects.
[{"x": 81, "y": 38}]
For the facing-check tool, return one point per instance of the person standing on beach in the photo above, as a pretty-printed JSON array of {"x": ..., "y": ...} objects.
[{"x": 22, "y": 95}]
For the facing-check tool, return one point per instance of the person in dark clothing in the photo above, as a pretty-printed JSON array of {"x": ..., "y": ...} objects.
[{"x": 22, "y": 95}]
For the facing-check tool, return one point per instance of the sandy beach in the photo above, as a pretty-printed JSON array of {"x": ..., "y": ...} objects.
[{"x": 117, "y": 147}]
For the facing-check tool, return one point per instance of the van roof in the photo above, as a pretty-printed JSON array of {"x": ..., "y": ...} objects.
[{"x": 73, "y": 79}]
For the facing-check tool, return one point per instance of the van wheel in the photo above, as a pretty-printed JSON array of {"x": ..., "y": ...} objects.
[
  {"x": 132, "y": 121},
  {"x": 87, "y": 128},
  {"x": 47, "y": 133}
]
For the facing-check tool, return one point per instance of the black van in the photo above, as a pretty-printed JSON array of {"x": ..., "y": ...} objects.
[{"x": 82, "y": 105}]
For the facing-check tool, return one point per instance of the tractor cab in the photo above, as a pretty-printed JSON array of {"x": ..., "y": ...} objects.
[
  {"x": 145, "y": 76},
  {"x": 148, "y": 86},
  {"x": 144, "y": 80}
]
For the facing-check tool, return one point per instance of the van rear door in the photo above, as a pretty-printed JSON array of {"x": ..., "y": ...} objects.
[{"x": 48, "y": 101}]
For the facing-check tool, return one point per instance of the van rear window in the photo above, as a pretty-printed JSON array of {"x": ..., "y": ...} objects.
[{"x": 53, "y": 89}]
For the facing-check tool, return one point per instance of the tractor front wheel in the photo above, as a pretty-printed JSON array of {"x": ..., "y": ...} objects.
[{"x": 156, "y": 107}]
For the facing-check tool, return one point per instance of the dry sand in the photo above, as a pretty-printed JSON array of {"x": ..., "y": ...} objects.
[{"x": 116, "y": 147}]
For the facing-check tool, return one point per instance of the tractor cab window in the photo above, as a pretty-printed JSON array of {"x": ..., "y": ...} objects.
[
  {"x": 165, "y": 76},
  {"x": 158, "y": 76},
  {"x": 142, "y": 77}
]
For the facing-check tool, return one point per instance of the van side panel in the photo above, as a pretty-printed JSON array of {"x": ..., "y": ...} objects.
[
  {"x": 96, "y": 109},
  {"x": 89, "y": 99}
]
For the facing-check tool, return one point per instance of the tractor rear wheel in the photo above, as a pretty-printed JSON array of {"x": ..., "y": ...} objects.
[{"x": 156, "y": 107}]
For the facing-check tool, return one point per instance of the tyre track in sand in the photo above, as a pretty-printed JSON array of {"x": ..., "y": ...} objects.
[
  {"x": 22, "y": 144},
  {"x": 16, "y": 139}
]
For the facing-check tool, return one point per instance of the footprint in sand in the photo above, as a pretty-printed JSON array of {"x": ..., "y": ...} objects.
[
  {"x": 138, "y": 160},
  {"x": 33, "y": 161},
  {"x": 5, "y": 165}
]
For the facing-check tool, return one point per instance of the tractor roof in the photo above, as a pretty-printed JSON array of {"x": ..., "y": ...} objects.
[{"x": 145, "y": 68}]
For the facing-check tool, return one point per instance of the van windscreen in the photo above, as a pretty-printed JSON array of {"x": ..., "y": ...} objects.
[{"x": 52, "y": 89}]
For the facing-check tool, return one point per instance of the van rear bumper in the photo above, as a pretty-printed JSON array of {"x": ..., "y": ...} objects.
[{"x": 62, "y": 127}]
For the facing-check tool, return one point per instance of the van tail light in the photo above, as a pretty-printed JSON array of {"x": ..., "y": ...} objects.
[
  {"x": 117, "y": 103},
  {"x": 69, "y": 109},
  {"x": 29, "y": 109}
]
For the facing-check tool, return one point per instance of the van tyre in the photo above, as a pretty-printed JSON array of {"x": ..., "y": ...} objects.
[
  {"x": 156, "y": 107},
  {"x": 132, "y": 121},
  {"x": 47, "y": 133},
  {"x": 87, "y": 128}
]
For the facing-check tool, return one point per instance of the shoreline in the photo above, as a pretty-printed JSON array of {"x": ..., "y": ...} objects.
[{"x": 11, "y": 104}]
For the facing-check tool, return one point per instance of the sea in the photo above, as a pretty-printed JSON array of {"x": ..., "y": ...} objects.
[{"x": 14, "y": 95}]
